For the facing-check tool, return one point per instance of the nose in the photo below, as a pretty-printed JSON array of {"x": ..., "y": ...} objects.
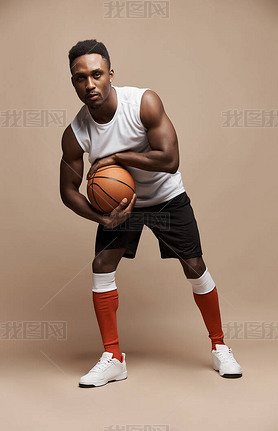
[{"x": 90, "y": 83}]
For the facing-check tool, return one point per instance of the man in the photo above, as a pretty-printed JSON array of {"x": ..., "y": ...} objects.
[{"x": 128, "y": 126}]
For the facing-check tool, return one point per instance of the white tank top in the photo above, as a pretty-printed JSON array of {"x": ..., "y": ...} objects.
[{"x": 125, "y": 131}]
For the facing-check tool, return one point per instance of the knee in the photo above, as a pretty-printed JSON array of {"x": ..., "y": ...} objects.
[
  {"x": 198, "y": 275},
  {"x": 102, "y": 265},
  {"x": 194, "y": 267},
  {"x": 103, "y": 276}
]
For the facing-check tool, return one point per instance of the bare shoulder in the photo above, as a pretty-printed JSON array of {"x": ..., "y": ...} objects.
[
  {"x": 151, "y": 109},
  {"x": 70, "y": 146}
]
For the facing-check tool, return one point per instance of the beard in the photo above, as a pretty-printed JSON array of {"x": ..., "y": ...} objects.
[{"x": 96, "y": 106}]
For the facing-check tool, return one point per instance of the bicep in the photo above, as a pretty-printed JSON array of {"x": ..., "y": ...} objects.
[
  {"x": 72, "y": 165},
  {"x": 162, "y": 136}
]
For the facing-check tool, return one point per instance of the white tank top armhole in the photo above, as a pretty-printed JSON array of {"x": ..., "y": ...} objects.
[
  {"x": 79, "y": 129},
  {"x": 78, "y": 140},
  {"x": 142, "y": 90}
]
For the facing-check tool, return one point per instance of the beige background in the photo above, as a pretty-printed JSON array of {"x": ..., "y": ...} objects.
[{"x": 208, "y": 57}]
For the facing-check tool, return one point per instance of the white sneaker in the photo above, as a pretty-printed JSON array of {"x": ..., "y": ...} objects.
[
  {"x": 224, "y": 362},
  {"x": 107, "y": 369}
]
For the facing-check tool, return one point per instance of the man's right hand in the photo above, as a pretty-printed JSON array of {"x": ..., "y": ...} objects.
[{"x": 119, "y": 214}]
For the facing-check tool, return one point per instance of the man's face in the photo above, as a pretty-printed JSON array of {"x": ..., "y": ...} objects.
[{"x": 91, "y": 79}]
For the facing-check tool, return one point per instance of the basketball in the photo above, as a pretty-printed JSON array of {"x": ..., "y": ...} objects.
[{"x": 108, "y": 186}]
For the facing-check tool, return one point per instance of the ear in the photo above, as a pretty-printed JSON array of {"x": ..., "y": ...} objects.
[
  {"x": 111, "y": 74},
  {"x": 72, "y": 81}
]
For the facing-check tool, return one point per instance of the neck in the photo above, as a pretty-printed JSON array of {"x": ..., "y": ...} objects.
[{"x": 106, "y": 112}]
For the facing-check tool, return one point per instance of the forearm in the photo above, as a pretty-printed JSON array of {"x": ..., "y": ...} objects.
[
  {"x": 154, "y": 160},
  {"x": 81, "y": 206}
]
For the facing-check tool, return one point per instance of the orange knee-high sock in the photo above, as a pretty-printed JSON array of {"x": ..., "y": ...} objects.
[
  {"x": 209, "y": 307},
  {"x": 106, "y": 305}
]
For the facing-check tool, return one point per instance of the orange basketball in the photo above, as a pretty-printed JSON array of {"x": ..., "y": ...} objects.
[{"x": 108, "y": 186}]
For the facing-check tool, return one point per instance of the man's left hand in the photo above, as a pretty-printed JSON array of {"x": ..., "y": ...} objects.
[{"x": 110, "y": 160}]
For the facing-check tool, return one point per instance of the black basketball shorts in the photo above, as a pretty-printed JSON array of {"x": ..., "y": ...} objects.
[{"x": 172, "y": 222}]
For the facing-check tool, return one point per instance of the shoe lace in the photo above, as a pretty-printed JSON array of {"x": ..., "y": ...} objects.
[
  {"x": 227, "y": 356},
  {"x": 101, "y": 364}
]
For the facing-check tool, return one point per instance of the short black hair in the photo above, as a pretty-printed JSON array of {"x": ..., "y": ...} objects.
[{"x": 90, "y": 46}]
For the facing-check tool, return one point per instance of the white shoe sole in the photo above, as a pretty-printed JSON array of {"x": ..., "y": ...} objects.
[{"x": 122, "y": 376}]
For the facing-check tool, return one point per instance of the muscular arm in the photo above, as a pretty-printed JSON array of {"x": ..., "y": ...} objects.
[
  {"x": 164, "y": 154},
  {"x": 71, "y": 174}
]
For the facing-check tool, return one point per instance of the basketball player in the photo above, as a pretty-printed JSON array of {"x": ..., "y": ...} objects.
[{"x": 128, "y": 126}]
